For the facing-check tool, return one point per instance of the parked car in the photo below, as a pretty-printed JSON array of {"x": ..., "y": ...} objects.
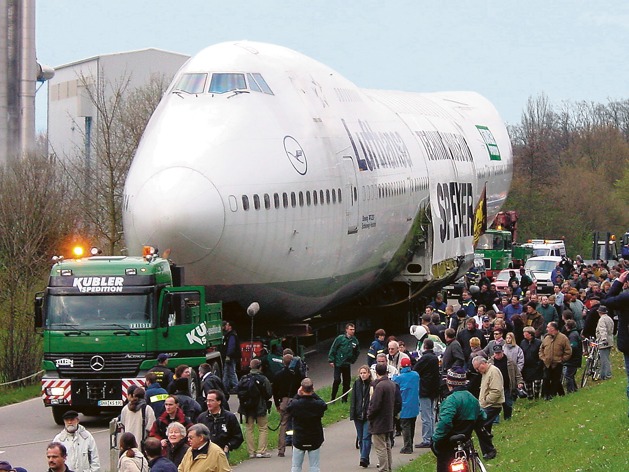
[
  {"x": 542, "y": 267},
  {"x": 502, "y": 280}
]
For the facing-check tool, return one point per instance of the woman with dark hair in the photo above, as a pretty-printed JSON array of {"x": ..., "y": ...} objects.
[
  {"x": 533, "y": 370},
  {"x": 361, "y": 394},
  {"x": 131, "y": 459}
]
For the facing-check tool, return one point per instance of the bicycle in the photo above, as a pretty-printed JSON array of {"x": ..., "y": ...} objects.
[
  {"x": 593, "y": 359},
  {"x": 466, "y": 459}
]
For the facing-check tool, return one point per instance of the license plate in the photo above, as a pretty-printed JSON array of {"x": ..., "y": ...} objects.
[{"x": 109, "y": 402}]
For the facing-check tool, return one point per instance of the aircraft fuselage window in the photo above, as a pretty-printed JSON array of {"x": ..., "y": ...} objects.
[
  {"x": 339, "y": 193},
  {"x": 321, "y": 197},
  {"x": 293, "y": 200},
  {"x": 315, "y": 197},
  {"x": 333, "y": 195},
  {"x": 301, "y": 199},
  {"x": 191, "y": 83},
  {"x": 245, "y": 202},
  {"x": 267, "y": 201},
  {"x": 327, "y": 197},
  {"x": 276, "y": 200},
  {"x": 256, "y": 201},
  {"x": 308, "y": 200},
  {"x": 222, "y": 83},
  {"x": 285, "y": 199}
]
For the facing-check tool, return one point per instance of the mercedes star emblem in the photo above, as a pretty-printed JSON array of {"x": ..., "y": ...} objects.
[{"x": 97, "y": 363}]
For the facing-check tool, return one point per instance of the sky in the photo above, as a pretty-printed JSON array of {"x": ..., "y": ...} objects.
[{"x": 507, "y": 50}]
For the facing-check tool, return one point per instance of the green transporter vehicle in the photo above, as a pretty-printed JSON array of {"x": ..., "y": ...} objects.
[{"x": 105, "y": 319}]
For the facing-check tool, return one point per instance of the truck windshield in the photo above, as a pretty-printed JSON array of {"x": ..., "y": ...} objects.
[{"x": 69, "y": 312}]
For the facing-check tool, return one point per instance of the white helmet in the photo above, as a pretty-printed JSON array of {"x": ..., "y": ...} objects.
[{"x": 419, "y": 332}]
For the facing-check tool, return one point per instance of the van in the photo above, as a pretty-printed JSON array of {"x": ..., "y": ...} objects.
[
  {"x": 542, "y": 267},
  {"x": 547, "y": 247}
]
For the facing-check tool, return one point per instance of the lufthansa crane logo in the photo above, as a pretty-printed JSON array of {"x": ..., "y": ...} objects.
[
  {"x": 296, "y": 155},
  {"x": 97, "y": 363}
]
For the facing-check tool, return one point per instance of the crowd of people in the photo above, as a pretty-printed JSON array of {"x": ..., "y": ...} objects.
[
  {"x": 165, "y": 429},
  {"x": 473, "y": 362},
  {"x": 495, "y": 348}
]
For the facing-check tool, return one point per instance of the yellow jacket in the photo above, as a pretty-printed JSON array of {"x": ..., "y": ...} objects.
[
  {"x": 214, "y": 461},
  {"x": 492, "y": 393}
]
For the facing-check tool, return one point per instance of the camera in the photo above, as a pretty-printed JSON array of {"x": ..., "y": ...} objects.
[{"x": 522, "y": 393}]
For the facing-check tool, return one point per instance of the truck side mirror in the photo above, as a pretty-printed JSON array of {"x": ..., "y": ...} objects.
[{"x": 39, "y": 311}]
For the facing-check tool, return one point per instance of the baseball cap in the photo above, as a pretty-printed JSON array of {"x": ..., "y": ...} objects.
[
  {"x": 162, "y": 357},
  {"x": 456, "y": 376},
  {"x": 405, "y": 362},
  {"x": 4, "y": 465},
  {"x": 70, "y": 414},
  {"x": 485, "y": 318},
  {"x": 497, "y": 348}
]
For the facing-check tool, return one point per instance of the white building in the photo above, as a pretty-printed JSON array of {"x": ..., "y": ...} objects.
[{"x": 70, "y": 111}]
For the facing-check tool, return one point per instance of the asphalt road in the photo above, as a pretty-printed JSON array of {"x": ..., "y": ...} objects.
[{"x": 28, "y": 427}]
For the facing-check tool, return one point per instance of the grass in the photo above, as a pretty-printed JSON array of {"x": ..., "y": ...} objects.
[
  {"x": 336, "y": 412},
  {"x": 9, "y": 395},
  {"x": 582, "y": 432}
]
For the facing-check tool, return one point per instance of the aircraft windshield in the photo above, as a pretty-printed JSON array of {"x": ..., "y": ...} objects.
[
  {"x": 72, "y": 312},
  {"x": 191, "y": 83},
  {"x": 222, "y": 83}
]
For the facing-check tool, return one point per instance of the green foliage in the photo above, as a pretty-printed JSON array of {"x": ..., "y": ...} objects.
[
  {"x": 570, "y": 176},
  {"x": 9, "y": 395},
  {"x": 582, "y": 432}
]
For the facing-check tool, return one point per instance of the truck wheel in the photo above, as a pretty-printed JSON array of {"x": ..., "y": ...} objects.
[{"x": 57, "y": 413}]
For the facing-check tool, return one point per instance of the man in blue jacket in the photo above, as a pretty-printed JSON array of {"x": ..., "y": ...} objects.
[{"x": 408, "y": 380}]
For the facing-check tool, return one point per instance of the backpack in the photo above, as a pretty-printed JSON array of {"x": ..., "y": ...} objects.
[
  {"x": 249, "y": 394},
  {"x": 299, "y": 366}
]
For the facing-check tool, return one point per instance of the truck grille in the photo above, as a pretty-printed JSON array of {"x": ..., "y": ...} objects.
[{"x": 82, "y": 365}]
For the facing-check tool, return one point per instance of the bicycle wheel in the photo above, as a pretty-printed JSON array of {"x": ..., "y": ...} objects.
[
  {"x": 477, "y": 464},
  {"x": 595, "y": 365},
  {"x": 586, "y": 371}
]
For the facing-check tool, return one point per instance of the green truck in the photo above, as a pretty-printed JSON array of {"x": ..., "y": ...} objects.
[
  {"x": 497, "y": 246},
  {"x": 105, "y": 319}
]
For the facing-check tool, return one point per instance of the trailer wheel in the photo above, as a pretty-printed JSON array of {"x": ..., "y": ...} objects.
[{"x": 58, "y": 412}]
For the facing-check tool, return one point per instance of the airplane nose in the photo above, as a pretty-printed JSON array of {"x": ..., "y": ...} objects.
[{"x": 179, "y": 209}]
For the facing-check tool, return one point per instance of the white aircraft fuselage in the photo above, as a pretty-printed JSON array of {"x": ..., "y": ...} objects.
[{"x": 272, "y": 178}]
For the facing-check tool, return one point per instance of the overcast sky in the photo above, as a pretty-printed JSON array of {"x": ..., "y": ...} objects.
[{"x": 507, "y": 50}]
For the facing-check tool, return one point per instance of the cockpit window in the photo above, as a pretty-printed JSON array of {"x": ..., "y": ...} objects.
[
  {"x": 262, "y": 83},
  {"x": 222, "y": 83},
  {"x": 252, "y": 84},
  {"x": 191, "y": 83}
]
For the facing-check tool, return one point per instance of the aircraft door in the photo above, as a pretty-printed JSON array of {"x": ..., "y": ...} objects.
[{"x": 351, "y": 194}]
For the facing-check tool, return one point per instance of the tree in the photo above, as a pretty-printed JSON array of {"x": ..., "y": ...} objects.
[
  {"x": 121, "y": 114},
  {"x": 36, "y": 213}
]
